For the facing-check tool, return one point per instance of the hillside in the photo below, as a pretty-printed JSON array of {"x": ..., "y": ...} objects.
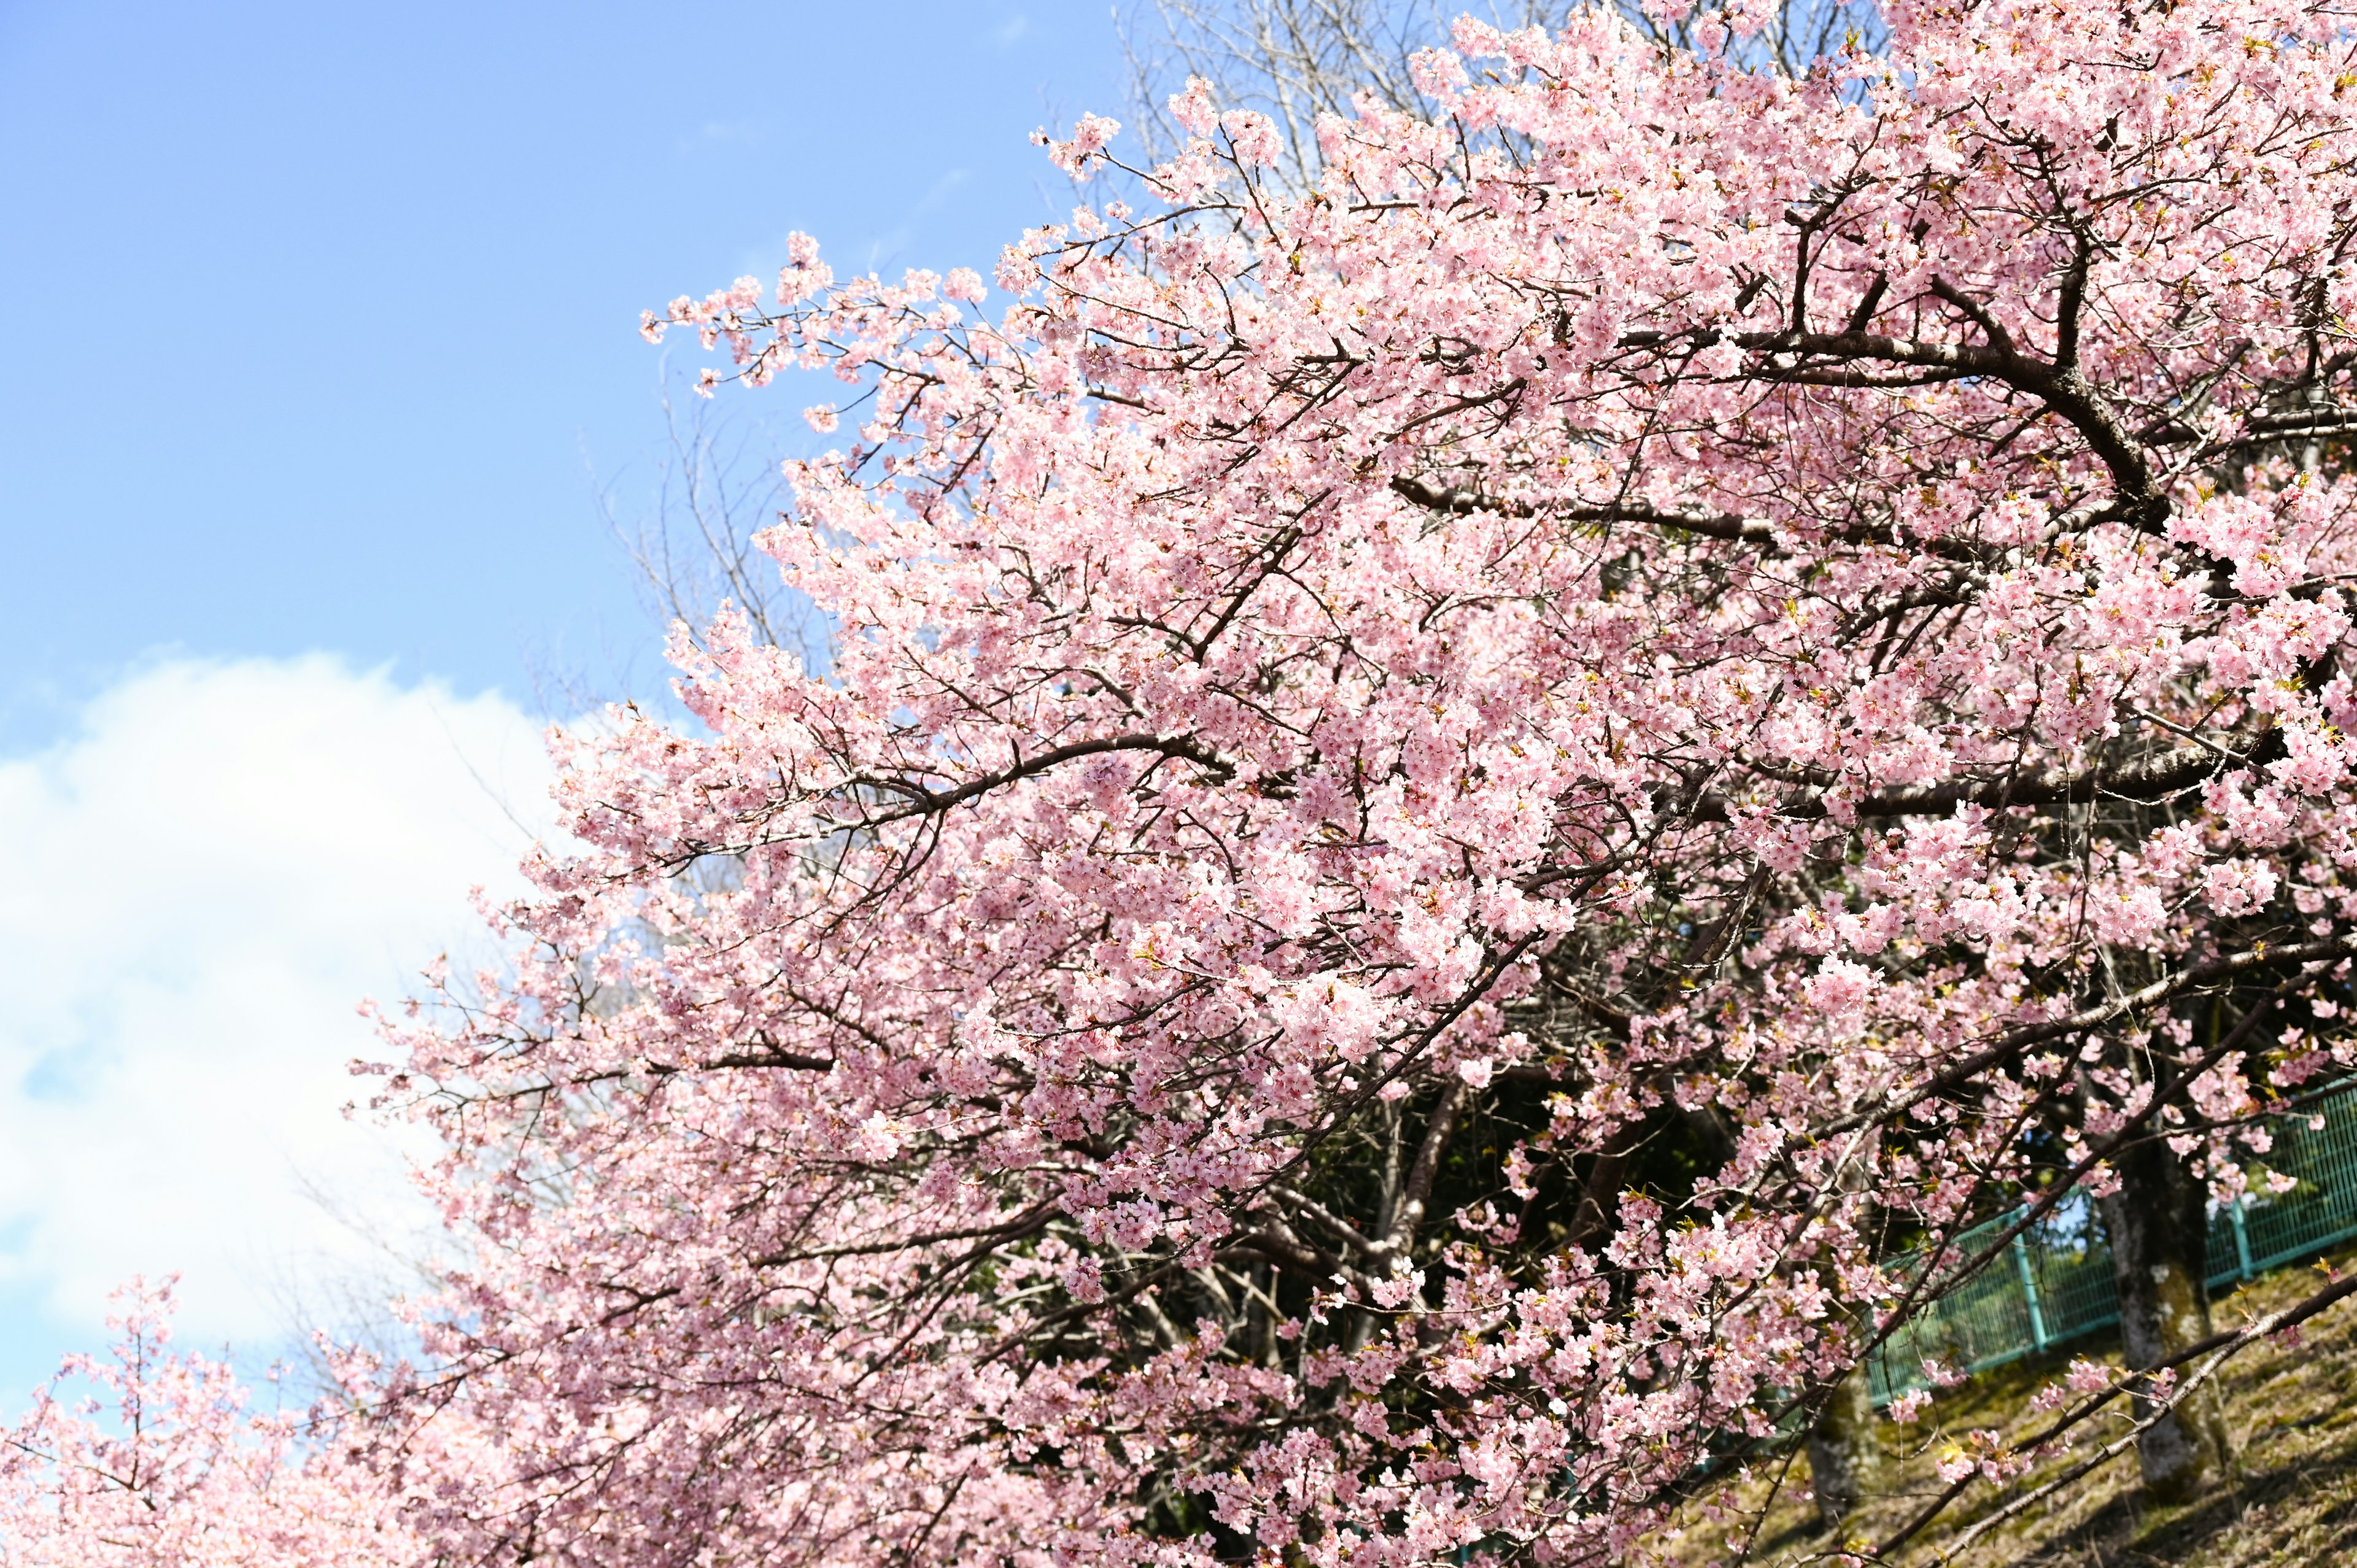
[{"x": 2293, "y": 1407}]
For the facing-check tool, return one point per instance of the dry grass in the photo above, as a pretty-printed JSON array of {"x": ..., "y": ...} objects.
[{"x": 2293, "y": 1409}]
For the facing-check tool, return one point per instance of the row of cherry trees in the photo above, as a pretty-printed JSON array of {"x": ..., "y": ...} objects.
[{"x": 1453, "y": 813}]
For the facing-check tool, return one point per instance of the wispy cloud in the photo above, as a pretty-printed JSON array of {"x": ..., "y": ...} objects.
[
  {"x": 896, "y": 240},
  {"x": 202, "y": 881},
  {"x": 883, "y": 249}
]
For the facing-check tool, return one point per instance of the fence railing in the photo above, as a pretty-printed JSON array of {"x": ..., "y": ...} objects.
[{"x": 2055, "y": 1284}]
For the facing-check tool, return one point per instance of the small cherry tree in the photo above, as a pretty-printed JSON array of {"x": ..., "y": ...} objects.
[
  {"x": 1458, "y": 821},
  {"x": 165, "y": 1465}
]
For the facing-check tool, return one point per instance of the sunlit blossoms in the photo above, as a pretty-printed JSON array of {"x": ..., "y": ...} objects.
[
  {"x": 151, "y": 1458},
  {"x": 1451, "y": 814}
]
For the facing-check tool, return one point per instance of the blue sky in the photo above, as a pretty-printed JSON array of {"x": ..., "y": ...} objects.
[
  {"x": 318, "y": 314},
  {"x": 320, "y": 318}
]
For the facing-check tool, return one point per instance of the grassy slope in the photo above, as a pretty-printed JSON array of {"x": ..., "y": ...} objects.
[{"x": 2293, "y": 1409}]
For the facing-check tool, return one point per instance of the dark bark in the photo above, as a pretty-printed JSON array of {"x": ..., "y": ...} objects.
[
  {"x": 2159, "y": 1226},
  {"x": 1599, "y": 1191}
]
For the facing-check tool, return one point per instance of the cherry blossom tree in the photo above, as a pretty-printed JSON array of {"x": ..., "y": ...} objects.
[
  {"x": 1458, "y": 821},
  {"x": 165, "y": 1465},
  {"x": 1295, "y": 59}
]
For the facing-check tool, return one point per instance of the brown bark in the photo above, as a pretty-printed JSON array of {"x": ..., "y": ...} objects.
[
  {"x": 1845, "y": 1459},
  {"x": 2159, "y": 1227}
]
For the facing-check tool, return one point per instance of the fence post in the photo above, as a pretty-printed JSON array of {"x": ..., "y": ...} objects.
[
  {"x": 2242, "y": 1238},
  {"x": 2028, "y": 1279}
]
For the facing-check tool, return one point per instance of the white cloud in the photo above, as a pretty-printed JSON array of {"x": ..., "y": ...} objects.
[{"x": 199, "y": 884}]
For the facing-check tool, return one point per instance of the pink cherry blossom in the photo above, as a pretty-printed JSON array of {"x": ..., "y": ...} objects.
[
  {"x": 1796, "y": 618},
  {"x": 170, "y": 1462}
]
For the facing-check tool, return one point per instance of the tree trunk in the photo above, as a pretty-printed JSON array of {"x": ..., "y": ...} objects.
[
  {"x": 1845, "y": 1450},
  {"x": 1599, "y": 1191},
  {"x": 1846, "y": 1460},
  {"x": 2158, "y": 1223}
]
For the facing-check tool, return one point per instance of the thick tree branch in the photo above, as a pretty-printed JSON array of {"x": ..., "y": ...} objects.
[{"x": 924, "y": 802}]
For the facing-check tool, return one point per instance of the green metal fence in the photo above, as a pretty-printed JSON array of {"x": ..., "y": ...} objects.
[{"x": 2054, "y": 1283}]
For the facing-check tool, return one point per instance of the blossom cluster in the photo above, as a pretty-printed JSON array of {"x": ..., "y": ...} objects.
[{"x": 165, "y": 1465}]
